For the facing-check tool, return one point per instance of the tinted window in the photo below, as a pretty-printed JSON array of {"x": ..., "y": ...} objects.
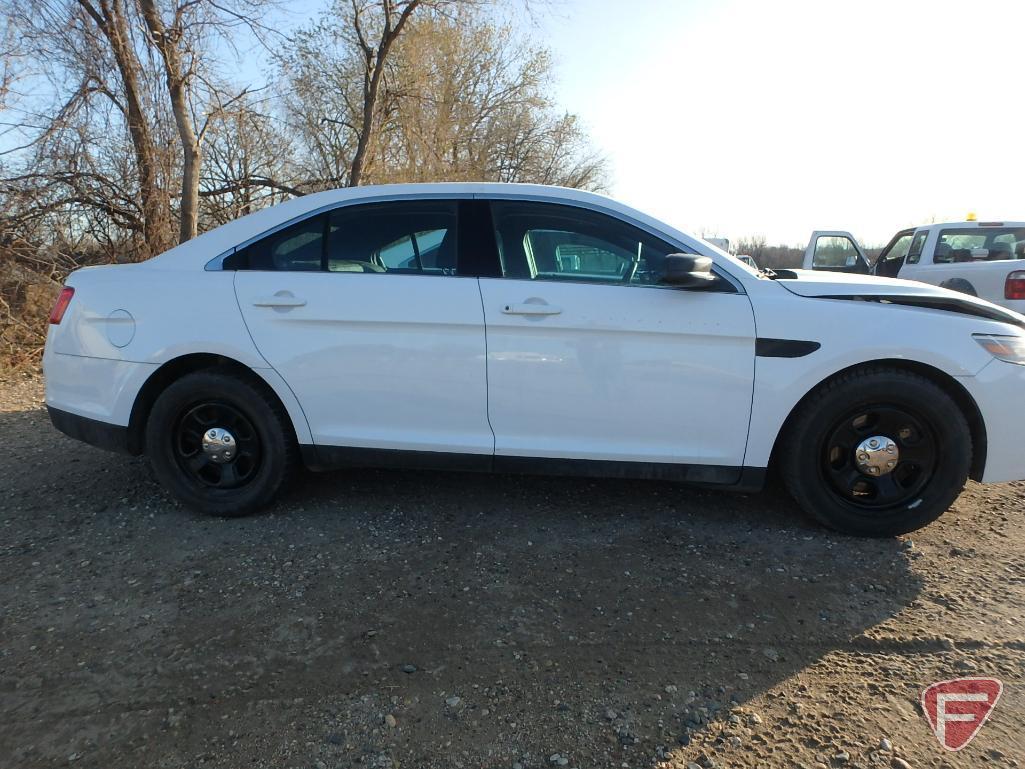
[
  {"x": 296, "y": 248},
  {"x": 408, "y": 238},
  {"x": 404, "y": 237},
  {"x": 543, "y": 241}
]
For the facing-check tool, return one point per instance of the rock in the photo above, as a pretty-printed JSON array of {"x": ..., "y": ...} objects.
[
  {"x": 671, "y": 689},
  {"x": 611, "y": 715},
  {"x": 771, "y": 654},
  {"x": 899, "y": 763},
  {"x": 885, "y": 744},
  {"x": 390, "y": 722},
  {"x": 558, "y": 760},
  {"x": 734, "y": 741},
  {"x": 754, "y": 718},
  {"x": 683, "y": 739},
  {"x": 692, "y": 765},
  {"x": 517, "y": 765},
  {"x": 453, "y": 702},
  {"x": 562, "y": 707},
  {"x": 743, "y": 676},
  {"x": 335, "y": 738},
  {"x": 408, "y": 668},
  {"x": 735, "y": 719},
  {"x": 842, "y": 757}
]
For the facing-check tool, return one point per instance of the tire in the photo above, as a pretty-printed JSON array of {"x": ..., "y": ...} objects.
[
  {"x": 828, "y": 475},
  {"x": 961, "y": 285},
  {"x": 256, "y": 458}
]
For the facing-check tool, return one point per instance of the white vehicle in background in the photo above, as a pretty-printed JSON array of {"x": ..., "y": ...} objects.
[
  {"x": 721, "y": 243},
  {"x": 519, "y": 328},
  {"x": 983, "y": 259}
]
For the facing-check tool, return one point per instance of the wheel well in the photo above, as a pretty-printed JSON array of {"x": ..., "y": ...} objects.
[
  {"x": 174, "y": 370},
  {"x": 941, "y": 379}
]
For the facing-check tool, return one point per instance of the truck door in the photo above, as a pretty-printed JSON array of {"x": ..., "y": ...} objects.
[{"x": 836, "y": 251}]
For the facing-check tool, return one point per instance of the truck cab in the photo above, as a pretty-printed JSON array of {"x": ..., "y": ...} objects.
[{"x": 983, "y": 259}]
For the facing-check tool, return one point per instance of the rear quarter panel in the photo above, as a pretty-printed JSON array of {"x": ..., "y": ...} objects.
[{"x": 125, "y": 321}]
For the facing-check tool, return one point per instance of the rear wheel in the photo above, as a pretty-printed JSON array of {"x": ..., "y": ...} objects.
[
  {"x": 877, "y": 452},
  {"x": 219, "y": 443}
]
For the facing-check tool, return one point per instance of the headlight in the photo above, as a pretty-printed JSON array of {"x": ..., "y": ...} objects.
[{"x": 1008, "y": 348}]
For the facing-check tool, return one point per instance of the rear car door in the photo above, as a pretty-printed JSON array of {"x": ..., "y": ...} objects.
[
  {"x": 589, "y": 357},
  {"x": 364, "y": 312}
]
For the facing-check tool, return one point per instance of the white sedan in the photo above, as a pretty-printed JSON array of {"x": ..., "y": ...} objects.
[{"x": 531, "y": 329}]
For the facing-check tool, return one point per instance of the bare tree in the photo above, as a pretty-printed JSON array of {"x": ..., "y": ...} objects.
[{"x": 458, "y": 98}]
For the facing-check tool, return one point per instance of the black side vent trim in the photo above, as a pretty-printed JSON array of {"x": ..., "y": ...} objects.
[{"x": 784, "y": 348}]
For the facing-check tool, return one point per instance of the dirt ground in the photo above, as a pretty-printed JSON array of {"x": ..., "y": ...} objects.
[{"x": 414, "y": 619}]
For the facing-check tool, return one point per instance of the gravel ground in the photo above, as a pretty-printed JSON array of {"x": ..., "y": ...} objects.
[{"x": 411, "y": 619}]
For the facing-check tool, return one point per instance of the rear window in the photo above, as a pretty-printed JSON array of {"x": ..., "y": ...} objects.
[{"x": 980, "y": 244}]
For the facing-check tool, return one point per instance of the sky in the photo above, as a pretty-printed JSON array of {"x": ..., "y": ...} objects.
[{"x": 740, "y": 117}]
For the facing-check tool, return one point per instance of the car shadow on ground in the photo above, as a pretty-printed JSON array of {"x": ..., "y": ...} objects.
[{"x": 495, "y": 618}]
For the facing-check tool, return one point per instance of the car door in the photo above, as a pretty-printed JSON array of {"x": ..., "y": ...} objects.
[
  {"x": 364, "y": 313},
  {"x": 589, "y": 357}
]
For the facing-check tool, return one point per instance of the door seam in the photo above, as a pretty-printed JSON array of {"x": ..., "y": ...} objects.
[{"x": 487, "y": 382}]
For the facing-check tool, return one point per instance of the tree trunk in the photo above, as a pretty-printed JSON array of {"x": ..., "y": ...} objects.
[
  {"x": 177, "y": 87},
  {"x": 156, "y": 208}
]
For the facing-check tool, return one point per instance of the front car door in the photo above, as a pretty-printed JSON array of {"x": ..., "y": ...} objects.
[
  {"x": 590, "y": 358},
  {"x": 364, "y": 312}
]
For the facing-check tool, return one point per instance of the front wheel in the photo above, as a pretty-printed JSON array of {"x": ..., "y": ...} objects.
[
  {"x": 219, "y": 443},
  {"x": 876, "y": 452}
]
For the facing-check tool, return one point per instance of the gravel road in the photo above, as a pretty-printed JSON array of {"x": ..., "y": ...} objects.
[{"x": 413, "y": 619}]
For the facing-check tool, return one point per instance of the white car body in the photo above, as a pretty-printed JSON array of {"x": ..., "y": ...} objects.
[
  {"x": 507, "y": 373},
  {"x": 924, "y": 254}
]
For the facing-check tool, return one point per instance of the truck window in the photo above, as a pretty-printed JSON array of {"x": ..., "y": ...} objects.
[
  {"x": 832, "y": 251},
  {"x": 979, "y": 244},
  {"x": 915, "y": 254}
]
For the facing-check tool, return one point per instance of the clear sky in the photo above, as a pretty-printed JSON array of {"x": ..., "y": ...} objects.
[{"x": 777, "y": 117}]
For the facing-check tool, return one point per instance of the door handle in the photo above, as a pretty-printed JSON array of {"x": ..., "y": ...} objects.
[
  {"x": 279, "y": 300},
  {"x": 531, "y": 308}
]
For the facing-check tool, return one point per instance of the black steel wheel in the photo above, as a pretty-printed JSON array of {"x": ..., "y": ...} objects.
[
  {"x": 221, "y": 442},
  {"x": 217, "y": 445},
  {"x": 876, "y": 451},
  {"x": 879, "y": 457}
]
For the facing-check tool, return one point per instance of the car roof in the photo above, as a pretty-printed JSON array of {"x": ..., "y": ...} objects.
[{"x": 216, "y": 242}]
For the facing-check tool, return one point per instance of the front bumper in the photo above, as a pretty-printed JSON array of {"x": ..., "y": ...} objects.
[
  {"x": 999, "y": 392},
  {"x": 103, "y": 435}
]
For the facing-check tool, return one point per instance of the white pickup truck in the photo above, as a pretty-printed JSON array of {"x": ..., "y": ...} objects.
[{"x": 984, "y": 259}]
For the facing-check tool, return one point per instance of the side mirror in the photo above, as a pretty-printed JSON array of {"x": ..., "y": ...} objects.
[{"x": 687, "y": 271}]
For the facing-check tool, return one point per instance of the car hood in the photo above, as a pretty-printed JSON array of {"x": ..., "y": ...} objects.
[{"x": 838, "y": 285}]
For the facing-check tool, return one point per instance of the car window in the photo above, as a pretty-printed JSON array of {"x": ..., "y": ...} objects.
[
  {"x": 409, "y": 237},
  {"x": 979, "y": 244},
  {"x": 917, "y": 246},
  {"x": 834, "y": 251},
  {"x": 546, "y": 241},
  {"x": 298, "y": 248}
]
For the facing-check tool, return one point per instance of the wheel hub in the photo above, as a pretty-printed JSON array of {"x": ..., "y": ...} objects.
[
  {"x": 877, "y": 456},
  {"x": 219, "y": 445}
]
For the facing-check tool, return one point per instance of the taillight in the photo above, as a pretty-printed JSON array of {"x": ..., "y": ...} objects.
[
  {"x": 1014, "y": 286},
  {"x": 62, "y": 305}
]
